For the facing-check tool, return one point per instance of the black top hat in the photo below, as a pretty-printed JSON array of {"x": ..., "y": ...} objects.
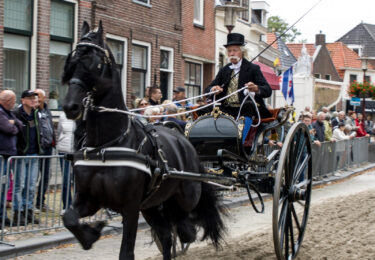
[
  {"x": 28, "y": 93},
  {"x": 179, "y": 89},
  {"x": 235, "y": 39}
]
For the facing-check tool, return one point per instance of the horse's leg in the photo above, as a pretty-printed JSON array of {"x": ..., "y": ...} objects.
[
  {"x": 162, "y": 229},
  {"x": 86, "y": 234},
  {"x": 129, "y": 234}
]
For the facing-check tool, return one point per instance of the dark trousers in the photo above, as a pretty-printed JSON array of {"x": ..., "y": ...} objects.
[
  {"x": 66, "y": 182},
  {"x": 4, "y": 186},
  {"x": 44, "y": 177}
]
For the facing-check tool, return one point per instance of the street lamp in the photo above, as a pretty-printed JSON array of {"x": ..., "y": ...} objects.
[
  {"x": 231, "y": 9},
  {"x": 364, "y": 61}
]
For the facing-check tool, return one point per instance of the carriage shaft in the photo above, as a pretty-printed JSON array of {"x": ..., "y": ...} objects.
[{"x": 199, "y": 177}]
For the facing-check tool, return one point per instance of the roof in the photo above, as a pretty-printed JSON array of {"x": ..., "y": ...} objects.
[
  {"x": 343, "y": 57},
  {"x": 287, "y": 58},
  {"x": 296, "y": 48},
  {"x": 363, "y": 34}
]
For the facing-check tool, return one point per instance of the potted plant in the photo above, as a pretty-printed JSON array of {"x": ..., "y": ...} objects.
[{"x": 361, "y": 90}]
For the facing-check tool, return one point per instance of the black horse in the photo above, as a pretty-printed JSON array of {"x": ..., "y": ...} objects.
[{"x": 94, "y": 81}]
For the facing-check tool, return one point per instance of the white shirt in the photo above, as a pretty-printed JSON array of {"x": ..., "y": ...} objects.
[{"x": 236, "y": 67}]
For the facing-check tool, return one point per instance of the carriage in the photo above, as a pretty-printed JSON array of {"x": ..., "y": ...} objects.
[
  {"x": 129, "y": 167},
  {"x": 284, "y": 172}
]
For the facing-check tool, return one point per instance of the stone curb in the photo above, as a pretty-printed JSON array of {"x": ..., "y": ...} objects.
[{"x": 28, "y": 246}]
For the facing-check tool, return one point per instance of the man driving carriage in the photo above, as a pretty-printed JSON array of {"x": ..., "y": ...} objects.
[{"x": 235, "y": 75}]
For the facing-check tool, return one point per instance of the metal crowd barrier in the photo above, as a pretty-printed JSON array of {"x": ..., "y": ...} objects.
[
  {"x": 20, "y": 176},
  {"x": 334, "y": 156},
  {"x": 327, "y": 159}
]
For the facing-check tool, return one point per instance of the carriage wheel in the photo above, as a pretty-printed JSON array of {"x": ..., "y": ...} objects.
[{"x": 292, "y": 192}]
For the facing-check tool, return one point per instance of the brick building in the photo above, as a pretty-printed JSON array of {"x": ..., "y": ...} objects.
[
  {"x": 145, "y": 37},
  {"x": 198, "y": 44}
]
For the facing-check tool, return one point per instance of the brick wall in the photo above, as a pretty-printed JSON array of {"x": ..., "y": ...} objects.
[
  {"x": 158, "y": 25},
  {"x": 42, "y": 51}
]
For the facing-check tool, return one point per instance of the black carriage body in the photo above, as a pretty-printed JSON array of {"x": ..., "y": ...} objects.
[{"x": 215, "y": 131}]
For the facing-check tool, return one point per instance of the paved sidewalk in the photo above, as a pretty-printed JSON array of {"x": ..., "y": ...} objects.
[{"x": 28, "y": 246}]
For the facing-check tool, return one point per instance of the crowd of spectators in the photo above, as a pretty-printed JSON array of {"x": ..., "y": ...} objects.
[{"x": 326, "y": 126}]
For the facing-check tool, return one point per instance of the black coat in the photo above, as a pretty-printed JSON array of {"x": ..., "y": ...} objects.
[{"x": 249, "y": 72}]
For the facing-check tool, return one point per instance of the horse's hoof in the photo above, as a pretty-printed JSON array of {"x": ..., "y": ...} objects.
[{"x": 91, "y": 233}]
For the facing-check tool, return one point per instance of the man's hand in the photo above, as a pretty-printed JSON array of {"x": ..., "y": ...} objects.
[
  {"x": 252, "y": 87},
  {"x": 217, "y": 88},
  {"x": 11, "y": 121}
]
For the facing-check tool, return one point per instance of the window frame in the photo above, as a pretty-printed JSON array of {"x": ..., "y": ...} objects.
[
  {"x": 149, "y": 61},
  {"x": 327, "y": 77},
  {"x": 140, "y": 2},
  {"x": 187, "y": 85},
  {"x": 353, "y": 76},
  {"x": 22, "y": 32},
  {"x": 170, "y": 69},
  {"x": 317, "y": 76},
  {"x": 124, "y": 71},
  {"x": 66, "y": 39},
  {"x": 199, "y": 22},
  {"x": 247, "y": 12}
]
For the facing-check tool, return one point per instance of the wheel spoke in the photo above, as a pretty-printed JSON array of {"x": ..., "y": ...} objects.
[
  {"x": 290, "y": 224},
  {"x": 282, "y": 221},
  {"x": 300, "y": 153},
  {"x": 286, "y": 229},
  {"x": 301, "y": 168},
  {"x": 296, "y": 219},
  {"x": 304, "y": 183}
]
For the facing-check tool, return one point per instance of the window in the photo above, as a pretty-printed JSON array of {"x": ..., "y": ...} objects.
[
  {"x": 327, "y": 77},
  {"x": 245, "y": 13},
  {"x": 119, "y": 49},
  {"x": 143, "y": 2},
  {"x": 139, "y": 70},
  {"x": 61, "y": 31},
  {"x": 198, "y": 12},
  {"x": 16, "y": 62},
  {"x": 317, "y": 75},
  {"x": 166, "y": 71},
  {"x": 352, "y": 78},
  {"x": 18, "y": 17},
  {"x": 193, "y": 76},
  {"x": 367, "y": 78},
  {"x": 221, "y": 60},
  {"x": 256, "y": 16}
]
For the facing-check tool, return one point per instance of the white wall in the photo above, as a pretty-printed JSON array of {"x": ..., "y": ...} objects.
[{"x": 303, "y": 93}]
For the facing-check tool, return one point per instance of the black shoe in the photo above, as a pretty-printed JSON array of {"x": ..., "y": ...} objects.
[
  {"x": 6, "y": 223},
  {"x": 30, "y": 219},
  {"x": 21, "y": 218}
]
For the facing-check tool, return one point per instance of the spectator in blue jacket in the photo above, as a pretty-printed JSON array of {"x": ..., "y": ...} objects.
[
  {"x": 28, "y": 144},
  {"x": 9, "y": 127}
]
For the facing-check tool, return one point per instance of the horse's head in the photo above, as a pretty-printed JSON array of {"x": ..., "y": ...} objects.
[{"x": 87, "y": 71}]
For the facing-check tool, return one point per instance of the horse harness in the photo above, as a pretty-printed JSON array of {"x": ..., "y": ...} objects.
[{"x": 108, "y": 155}]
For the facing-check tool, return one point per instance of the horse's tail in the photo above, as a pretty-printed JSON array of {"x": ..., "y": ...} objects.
[{"x": 208, "y": 214}]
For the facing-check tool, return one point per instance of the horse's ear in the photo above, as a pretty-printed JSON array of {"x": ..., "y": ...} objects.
[
  {"x": 99, "y": 34},
  {"x": 85, "y": 28}
]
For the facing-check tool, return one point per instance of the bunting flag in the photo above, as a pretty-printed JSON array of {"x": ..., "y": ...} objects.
[
  {"x": 276, "y": 62},
  {"x": 287, "y": 86}
]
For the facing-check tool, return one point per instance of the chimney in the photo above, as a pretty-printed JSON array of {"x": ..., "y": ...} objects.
[{"x": 320, "y": 39}]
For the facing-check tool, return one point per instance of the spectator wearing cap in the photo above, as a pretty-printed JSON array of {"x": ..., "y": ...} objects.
[
  {"x": 48, "y": 142},
  {"x": 179, "y": 94},
  {"x": 9, "y": 127},
  {"x": 28, "y": 144},
  {"x": 155, "y": 96},
  {"x": 307, "y": 119}
]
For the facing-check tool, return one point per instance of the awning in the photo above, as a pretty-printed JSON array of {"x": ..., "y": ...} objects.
[{"x": 270, "y": 76}]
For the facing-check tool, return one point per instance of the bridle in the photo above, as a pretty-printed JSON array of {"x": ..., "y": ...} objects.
[{"x": 88, "y": 101}]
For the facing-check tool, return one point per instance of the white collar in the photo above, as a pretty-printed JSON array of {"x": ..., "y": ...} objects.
[{"x": 236, "y": 66}]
